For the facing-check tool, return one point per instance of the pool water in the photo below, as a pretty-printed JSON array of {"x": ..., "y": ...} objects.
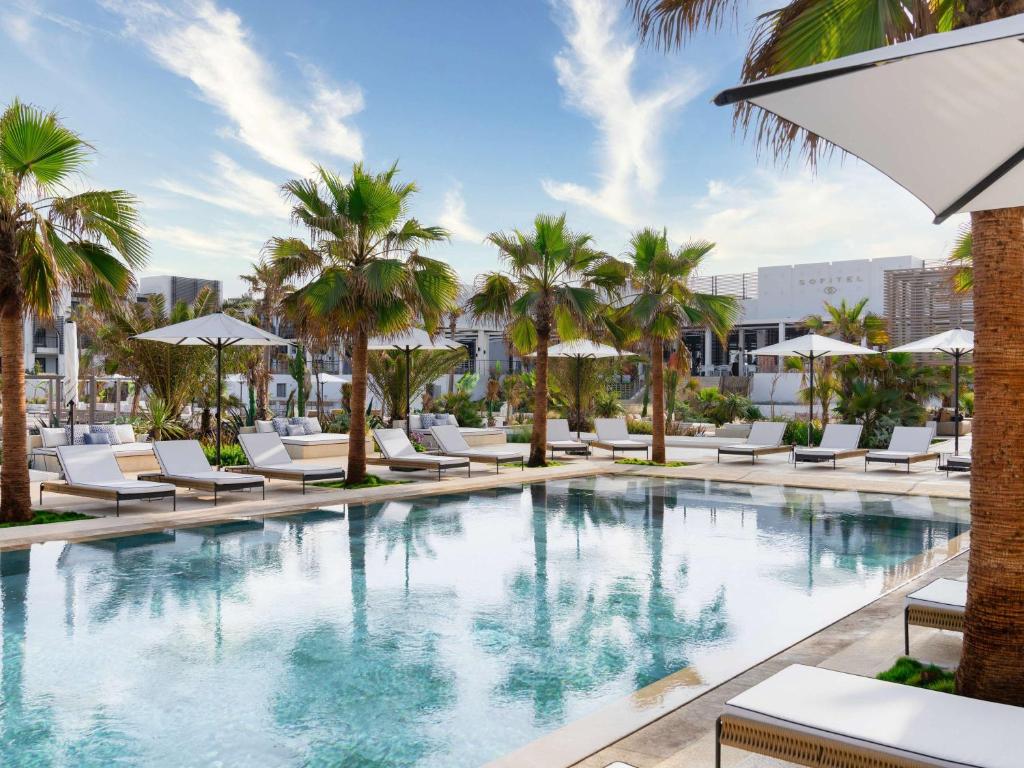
[{"x": 445, "y": 630}]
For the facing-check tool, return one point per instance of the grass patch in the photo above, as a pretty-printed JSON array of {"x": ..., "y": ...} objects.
[
  {"x": 907, "y": 671},
  {"x": 371, "y": 481},
  {"x": 44, "y": 516},
  {"x": 649, "y": 463}
]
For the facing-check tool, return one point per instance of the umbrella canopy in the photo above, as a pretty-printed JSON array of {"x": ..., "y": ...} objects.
[
  {"x": 408, "y": 342},
  {"x": 810, "y": 347},
  {"x": 70, "y": 383},
  {"x": 893, "y": 118},
  {"x": 956, "y": 343},
  {"x": 218, "y": 331},
  {"x": 330, "y": 378}
]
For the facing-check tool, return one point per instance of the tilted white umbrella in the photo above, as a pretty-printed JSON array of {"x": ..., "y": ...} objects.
[
  {"x": 580, "y": 350},
  {"x": 70, "y": 382},
  {"x": 408, "y": 342},
  {"x": 219, "y": 331},
  {"x": 957, "y": 147},
  {"x": 810, "y": 347},
  {"x": 956, "y": 343}
]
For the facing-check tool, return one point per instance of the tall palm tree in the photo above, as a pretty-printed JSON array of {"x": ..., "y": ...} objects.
[
  {"x": 268, "y": 288},
  {"x": 51, "y": 241},
  {"x": 551, "y": 284},
  {"x": 661, "y": 304},
  {"x": 364, "y": 272},
  {"x": 801, "y": 33}
]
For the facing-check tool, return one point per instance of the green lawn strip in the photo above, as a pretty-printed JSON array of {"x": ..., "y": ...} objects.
[
  {"x": 371, "y": 481},
  {"x": 649, "y": 463},
  {"x": 907, "y": 671},
  {"x": 44, "y": 516}
]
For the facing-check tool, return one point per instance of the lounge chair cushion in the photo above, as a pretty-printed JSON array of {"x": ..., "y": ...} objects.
[
  {"x": 816, "y": 451},
  {"x": 264, "y": 426},
  {"x": 946, "y": 594},
  {"x": 179, "y": 458},
  {"x": 841, "y": 437},
  {"x": 324, "y": 438},
  {"x": 910, "y": 440},
  {"x": 766, "y": 434},
  {"x": 451, "y": 442},
  {"x": 94, "y": 466},
  {"x": 263, "y": 450},
  {"x": 935, "y": 728},
  {"x": 610, "y": 430},
  {"x": 125, "y": 433},
  {"x": 559, "y": 435},
  {"x": 394, "y": 444}
]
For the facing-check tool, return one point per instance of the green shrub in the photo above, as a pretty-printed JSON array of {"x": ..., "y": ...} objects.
[
  {"x": 639, "y": 427},
  {"x": 519, "y": 434},
  {"x": 796, "y": 432},
  {"x": 907, "y": 671},
  {"x": 370, "y": 481},
  {"x": 231, "y": 454},
  {"x": 459, "y": 404},
  {"x": 649, "y": 463},
  {"x": 43, "y": 516}
]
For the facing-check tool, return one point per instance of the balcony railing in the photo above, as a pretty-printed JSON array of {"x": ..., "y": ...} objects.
[{"x": 742, "y": 285}]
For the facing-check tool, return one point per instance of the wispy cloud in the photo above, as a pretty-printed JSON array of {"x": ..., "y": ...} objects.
[
  {"x": 222, "y": 245},
  {"x": 212, "y": 48},
  {"x": 453, "y": 217},
  {"x": 596, "y": 72},
  {"x": 233, "y": 188}
]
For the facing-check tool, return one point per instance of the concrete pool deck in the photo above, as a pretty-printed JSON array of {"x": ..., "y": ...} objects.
[{"x": 662, "y": 725}]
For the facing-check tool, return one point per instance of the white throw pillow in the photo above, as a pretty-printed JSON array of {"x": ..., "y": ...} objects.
[
  {"x": 264, "y": 426},
  {"x": 415, "y": 422},
  {"x": 125, "y": 434},
  {"x": 311, "y": 425},
  {"x": 52, "y": 437},
  {"x": 295, "y": 430}
]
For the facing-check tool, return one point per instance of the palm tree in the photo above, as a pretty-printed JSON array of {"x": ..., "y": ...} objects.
[
  {"x": 961, "y": 258},
  {"x": 800, "y": 33},
  {"x": 364, "y": 272},
  {"x": 662, "y": 304},
  {"x": 550, "y": 285},
  {"x": 51, "y": 241},
  {"x": 268, "y": 289}
]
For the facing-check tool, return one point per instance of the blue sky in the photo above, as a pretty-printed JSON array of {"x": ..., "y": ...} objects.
[{"x": 497, "y": 110}]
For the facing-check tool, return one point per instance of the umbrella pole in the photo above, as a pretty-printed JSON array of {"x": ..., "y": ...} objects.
[
  {"x": 956, "y": 402},
  {"x": 220, "y": 351},
  {"x": 810, "y": 400},
  {"x": 579, "y": 403}
]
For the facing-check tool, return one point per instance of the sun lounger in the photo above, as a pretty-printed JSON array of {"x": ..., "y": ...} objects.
[
  {"x": 908, "y": 445},
  {"x": 267, "y": 456},
  {"x": 840, "y": 441},
  {"x": 612, "y": 435},
  {"x": 397, "y": 453},
  {"x": 183, "y": 463},
  {"x": 92, "y": 471},
  {"x": 765, "y": 438},
  {"x": 451, "y": 442},
  {"x": 817, "y": 717},
  {"x": 957, "y": 464},
  {"x": 939, "y": 605},
  {"x": 561, "y": 439}
]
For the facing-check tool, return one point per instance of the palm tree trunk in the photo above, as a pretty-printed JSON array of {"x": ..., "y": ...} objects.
[
  {"x": 357, "y": 400},
  {"x": 15, "y": 501},
  {"x": 658, "y": 401},
  {"x": 992, "y": 661},
  {"x": 539, "y": 436}
]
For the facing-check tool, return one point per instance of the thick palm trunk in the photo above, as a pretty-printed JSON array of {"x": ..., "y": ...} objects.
[
  {"x": 15, "y": 502},
  {"x": 357, "y": 403},
  {"x": 658, "y": 401},
  {"x": 539, "y": 436},
  {"x": 992, "y": 662}
]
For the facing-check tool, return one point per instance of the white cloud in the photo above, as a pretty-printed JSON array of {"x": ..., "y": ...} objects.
[
  {"x": 233, "y": 245},
  {"x": 212, "y": 48},
  {"x": 19, "y": 28},
  {"x": 234, "y": 188},
  {"x": 845, "y": 212},
  {"x": 596, "y": 73},
  {"x": 453, "y": 217}
]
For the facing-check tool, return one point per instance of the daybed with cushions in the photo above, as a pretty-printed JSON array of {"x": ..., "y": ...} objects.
[
  {"x": 303, "y": 437},
  {"x": 131, "y": 453},
  {"x": 420, "y": 424}
]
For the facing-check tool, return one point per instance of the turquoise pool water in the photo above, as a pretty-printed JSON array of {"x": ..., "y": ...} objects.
[{"x": 445, "y": 630}]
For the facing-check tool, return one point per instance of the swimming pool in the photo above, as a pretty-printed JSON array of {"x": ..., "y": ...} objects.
[{"x": 443, "y": 630}]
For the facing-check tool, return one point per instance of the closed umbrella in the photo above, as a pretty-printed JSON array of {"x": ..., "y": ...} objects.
[
  {"x": 219, "y": 331},
  {"x": 70, "y": 383},
  {"x": 579, "y": 351},
  {"x": 329, "y": 378},
  {"x": 810, "y": 347},
  {"x": 408, "y": 342},
  {"x": 956, "y": 343}
]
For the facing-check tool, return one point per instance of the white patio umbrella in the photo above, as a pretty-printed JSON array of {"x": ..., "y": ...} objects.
[
  {"x": 956, "y": 343},
  {"x": 811, "y": 347},
  {"x": 408, "y": 342},
  {"x": 70, "y": 383},
  {"x": 580, "y": 350},
  {"x": 329, "y": 378},
  {"x": 893, "y": 118},
  {"x": 219, "y": 331}
]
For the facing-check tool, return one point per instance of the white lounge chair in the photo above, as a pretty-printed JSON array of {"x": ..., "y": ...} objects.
[
  {"x": 451, "y": 442},
  {"x": 939, "y": 605},
  {"x": 908, "y": 445},
  {"x": 957, "y": 464},
  {"x": 183, "y": 463},
  {"x": 268, "y": 457},
  {"x": 92, "y": 471},
  {"x": 612, "y": 435},
  {"x": 840, "y": 441},
  {"x": 765, "y": 437},
  {"x": 561, "y": 439},
  {"x": 817, "y": 717},
  {"x": 397, "y": 452}
]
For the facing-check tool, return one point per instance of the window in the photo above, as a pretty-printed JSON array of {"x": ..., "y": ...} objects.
[{"x": 282, "y": 390}]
